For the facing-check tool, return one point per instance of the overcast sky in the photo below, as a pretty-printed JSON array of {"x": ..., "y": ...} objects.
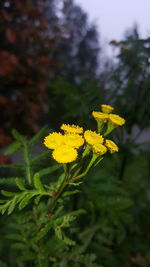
[{"x": 113, "y": 17}]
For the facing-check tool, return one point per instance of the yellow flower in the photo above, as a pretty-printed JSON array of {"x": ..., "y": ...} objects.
[
  {"x": 71, "y": 128},
  {"x": 73, "y": 140},
  {"x": 93, "y": 137},
  {"x": 53, "y": 140},
  {"x": 112, "y": 147},
  {"x": 65, "y": 154},
  {"x": 99, "y": 149},
  {"x": 100, "y": 116},
  {"x": 116, "y": 119},
  {"x": 106, "y": 109}
]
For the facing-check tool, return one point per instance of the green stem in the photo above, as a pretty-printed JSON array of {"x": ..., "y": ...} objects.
[
  {"x": 35, "y": 214},
  {"x": 65, "y": 168},
  {"x": 66, "y": 181},
  {"x": 27, "y": 161},
  {"x": 39, "y": 261},
  {"x": 57, "y": 195},
  {"x": 94, "y": 157},
  {"x": 100, "y": 126},
  {"x": 77, "y": 171},
  {"x": 86, "y": 151},
  {"x": 110, "y": 128},
  {"x": 80, "y": 165}
]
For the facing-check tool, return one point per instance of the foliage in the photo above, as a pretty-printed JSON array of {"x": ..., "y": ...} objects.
[
  {"x": 131, "y": 78},
  {"x": 26, "y": 229},
  {"x": 113, "y": 231},
  {"x": 47, "y": 221}
]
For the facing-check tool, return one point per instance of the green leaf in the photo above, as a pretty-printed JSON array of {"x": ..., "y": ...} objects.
[
  {"x": 13, "y": 166},
  {"x": 2, "y": 201},
  {"x": 12, "y": 205},
  {"x": 76, "y": 212},
  {"x": 76, "y": 184},
  {"x": 58, "y": 211},
  {"x": 49, "y": 170},
  {"x": 37, "y": 199},
  {"x": 4, "y": 207},
  {"x": 61, "y": 236},
  {"x": 20, "y": 184},
  {"x": 37, "y": 182},
  {"x": 66, "y": 194},
  {"x": 38, "y": 136},
  {"x": 28, "y": 255},
  {"x": 8, "y": 181},
  {"x": 15, "y": 146},
  {"x": 68, "y": 241},
  {"x": 43, "y": 231},
  {"x": 60, "y": 180},
  {"x": 20, "y": 138},
  {"x": 58, "y": 232},
  {"x": 25, "y": 201},
  {"x": 19, "y": 246},
  {"x": 17, "y": 237},
  {"x": 7, "y": 193}
]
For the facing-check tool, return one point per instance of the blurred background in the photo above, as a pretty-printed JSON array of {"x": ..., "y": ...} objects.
[{"x": 58, "y": 62}]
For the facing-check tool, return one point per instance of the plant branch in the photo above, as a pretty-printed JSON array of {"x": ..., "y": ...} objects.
[{"x": 27, "y": 161}]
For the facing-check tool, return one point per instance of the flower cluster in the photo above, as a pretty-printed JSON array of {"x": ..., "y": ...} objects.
[
  {"x": 106, "y": 116},
  {"x": 65, "y": 145},
  {"x": 98, "y": 144},
  {"x": 112, "y": 120}
]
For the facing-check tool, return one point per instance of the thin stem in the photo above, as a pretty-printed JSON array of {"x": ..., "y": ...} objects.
[
  {"x": 35, "y": 214},
  {"x": 100, "y": 126},
  {"x": 57, "y": 195},
  {"x": 39, "y": 261},
  {"x": 87, "y": 169},
  {"x": 66, "y": 181},
  {"x": 77, "y": 171},
  {"x": 65, "y": 168},
  {"x": 27, "y": 161},
  {"x": 86, "y": 151}
]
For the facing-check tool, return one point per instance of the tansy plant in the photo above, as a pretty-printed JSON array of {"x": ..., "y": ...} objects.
[
  {"x": 71, "y": 146},
  {"x": 44, "y": 196},
  {"x": 77, "y": 150}
]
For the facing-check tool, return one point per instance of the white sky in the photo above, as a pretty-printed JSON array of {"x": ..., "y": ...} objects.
[{"x": 114, "y": 17}]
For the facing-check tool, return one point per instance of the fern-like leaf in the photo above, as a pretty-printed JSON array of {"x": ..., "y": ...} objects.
[
  {"x": 43, "y": 231},
  {"x": 20, "y": 138},
  {"x": 14, "y": 147},
  {"x": 19, "y": 184},
  {"x": 12, "y": 166},
  {"x": 69, "y": 193},
  {"x": 7, "y": 193},
  {"x": 37, "y": 182},
  {"x": 4, "y": 207},
  {"x": 25, "y": 201},
  {"x": 38, "y": 137},
  {"x": 37, "y": 199},
  {"x": 8, "y": 180},
  {"x": 12, "y": 205}
]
